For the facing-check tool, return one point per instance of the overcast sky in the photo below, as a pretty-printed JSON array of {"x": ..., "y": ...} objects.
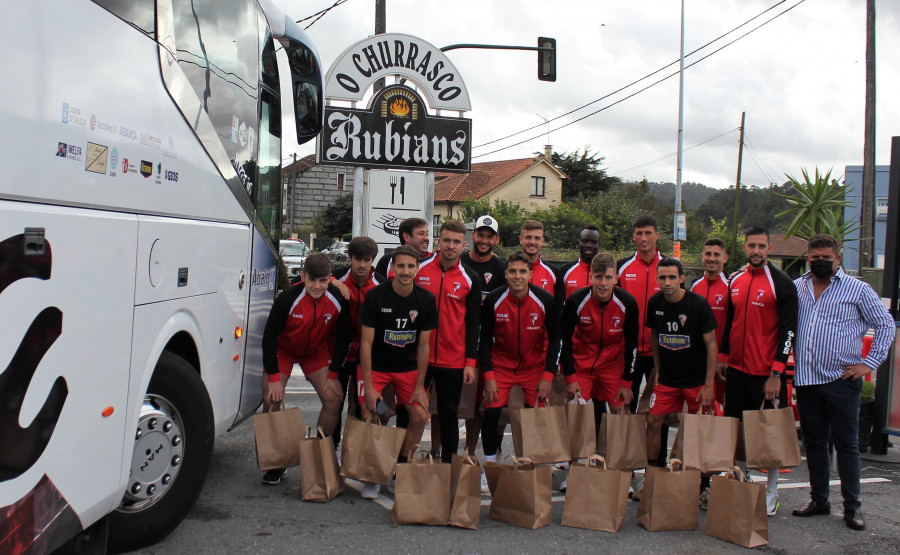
[{"x": 800, "y": 79}]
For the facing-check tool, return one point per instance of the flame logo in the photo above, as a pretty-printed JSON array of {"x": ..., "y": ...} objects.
[{"x": 399, "y": 107}]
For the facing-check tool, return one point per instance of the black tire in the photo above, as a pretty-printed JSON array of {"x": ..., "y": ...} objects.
[{"x": 175, "y": 390}]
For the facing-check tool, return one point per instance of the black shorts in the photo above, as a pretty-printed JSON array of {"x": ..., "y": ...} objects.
[{"x": 746, "y": 392}]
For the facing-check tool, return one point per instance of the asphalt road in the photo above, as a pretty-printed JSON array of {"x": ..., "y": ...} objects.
[{"x": 236, "y": 513}]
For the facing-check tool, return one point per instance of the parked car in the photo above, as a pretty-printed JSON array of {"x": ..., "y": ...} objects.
[
  {"x": 294, "y": 253},
  {"x": 337, "y": 251}
]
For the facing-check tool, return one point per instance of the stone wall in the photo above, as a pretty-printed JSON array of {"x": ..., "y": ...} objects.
[{"x": 315, "y": 188}]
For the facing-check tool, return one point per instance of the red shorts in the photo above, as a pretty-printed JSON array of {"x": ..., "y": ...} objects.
[
  {"x": 667, "y": 399},
  {"x": 527, "y": 380},
  {"x": 309, "y": 365},
  {"x": 404, "y": 384},
  {"x": 600, "y": 388}
]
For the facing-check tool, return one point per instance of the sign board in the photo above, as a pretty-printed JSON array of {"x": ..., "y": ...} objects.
[
  {"x": 881, "y": 208},
  {"x": 680, "y": 226},
  {"x": 395, "y": 131},
  {"x": 378, "y": 56},
  {"x": 393, "y": 197}
]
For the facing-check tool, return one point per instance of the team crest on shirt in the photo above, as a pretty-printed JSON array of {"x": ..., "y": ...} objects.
[
  {"x": 327, "y": 318},
  {"x": 456, "y": 286},
  {"x": 682, "y": 318},
  {"x": 534, "y": 317},
  {"x": 413, "y": 314},
  {"x": 616, "y": 321},
  {"x": 759, "y": 294},
  {"x": 544, "y": 283},
  {"x": 488, "y": 276},
  {"x": 719, "y": 298}
]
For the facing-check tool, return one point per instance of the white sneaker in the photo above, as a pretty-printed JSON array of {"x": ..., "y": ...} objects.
[
  {"x": 338, "y": 453},
  {"x": 392, "y": 487},
  {"x": 371, "y": 491},
  {"x": 485, "y": 488},
  {"x": 772, "y": 503},
  {"x": 563, "y": 465},
  {"x": 638, "y": 487},
  {"x": 564, "y": 484}
]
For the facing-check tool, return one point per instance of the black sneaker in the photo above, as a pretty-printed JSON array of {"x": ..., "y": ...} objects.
[{"x": 273, "y": 477}]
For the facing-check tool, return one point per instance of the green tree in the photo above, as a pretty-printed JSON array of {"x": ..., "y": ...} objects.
[
  {"x": 585, "y": 177},
  {"x": 335, "y": 220},
  {"x": 817, "y": 206}
]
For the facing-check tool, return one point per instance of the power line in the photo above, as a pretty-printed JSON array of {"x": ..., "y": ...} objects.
[
  {"x": 698, "y": 146},
  {"x": 321, "y": 13},
  {"x": 642, "y": 79},
  {"x": 640, "y": 90}
]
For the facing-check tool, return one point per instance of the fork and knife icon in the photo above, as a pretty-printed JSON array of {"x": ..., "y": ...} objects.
[{"x": 393, "y": 180}]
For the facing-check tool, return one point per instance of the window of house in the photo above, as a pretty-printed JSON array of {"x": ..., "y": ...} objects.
[
  {"x": 340, "y": 181},
  {"x": 537, "y": 186}
]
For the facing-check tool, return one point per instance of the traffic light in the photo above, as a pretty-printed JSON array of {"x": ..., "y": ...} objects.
[{"x": 547, "y": 59}]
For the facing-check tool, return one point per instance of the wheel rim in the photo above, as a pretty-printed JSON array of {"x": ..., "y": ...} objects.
[{"x": 158, "y": 454}]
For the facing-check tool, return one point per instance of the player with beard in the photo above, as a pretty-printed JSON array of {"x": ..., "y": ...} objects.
[
  {"x": 713, "y": 286},
  {"x": 759, "y": 334},
  {"x": 414, "y": 232}
]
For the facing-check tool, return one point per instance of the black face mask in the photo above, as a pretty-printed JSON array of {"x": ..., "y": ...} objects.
[{"x": 822, "y": 268}]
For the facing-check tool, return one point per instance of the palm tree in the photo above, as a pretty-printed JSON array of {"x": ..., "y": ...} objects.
[{"x": 817, "y": 206}]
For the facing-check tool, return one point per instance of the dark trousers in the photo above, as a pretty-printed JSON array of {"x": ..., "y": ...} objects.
[
  {"x": 831, "y": 410},
  {"x": 347, "y": 378},
  {"x": 491, "y": 420},
  {"x": 746, "y": 392},
  {"x": 448, "y": 384},
  {"x": 643, "y": 367}
]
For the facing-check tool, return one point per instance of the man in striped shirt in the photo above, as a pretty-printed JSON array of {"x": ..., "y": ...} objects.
[{"x": 836, "y": 311}]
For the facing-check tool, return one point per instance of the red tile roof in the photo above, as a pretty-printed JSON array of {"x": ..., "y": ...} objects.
[
  {"x": 302, "y": 164},
  {"x": 484, "y": 178},
  {"x": 792, "y": 247}
]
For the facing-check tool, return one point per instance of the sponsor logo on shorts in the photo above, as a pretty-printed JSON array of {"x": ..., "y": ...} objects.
[{"x": 652, "y": 399}]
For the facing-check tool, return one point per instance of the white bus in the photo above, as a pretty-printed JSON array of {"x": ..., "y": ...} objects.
[{"x": 139, "y": 217}]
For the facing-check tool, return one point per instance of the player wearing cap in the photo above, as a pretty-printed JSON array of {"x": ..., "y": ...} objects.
[
  {"x": 519, "y": 344},
  {"x": 396, "y": 322},
  {"x": 309, "y": 324}
]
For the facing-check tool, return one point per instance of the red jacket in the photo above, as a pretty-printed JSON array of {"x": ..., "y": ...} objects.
[
  {"x": 544, "y": 276},
  {"x": 458, "y": 294},
  {"x": 761, "y": 321},
  {"x": 715, "y": 291},
  {"x": 639, "y": 279},
  {"x": 519, "y": 335},
  {"x": 302, "y": 327},
  {"x": 600, "y": 338},
  {"x": 357, "y": 296},
  {"x": 572, "y": 278}
]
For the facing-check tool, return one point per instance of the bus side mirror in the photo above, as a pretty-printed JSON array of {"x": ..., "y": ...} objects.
[{"x": 306, "y": 87}]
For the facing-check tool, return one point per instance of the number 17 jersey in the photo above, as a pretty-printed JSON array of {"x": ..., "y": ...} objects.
[{"x": 398, "y": 323}]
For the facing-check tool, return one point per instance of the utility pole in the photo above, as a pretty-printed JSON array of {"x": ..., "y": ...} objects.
[
  {"x": 679, "y": 233},
  {"x": 380, "y": 29},
  {"x": 292, "y": 191},
  {"x": 867, "y": 231},
  {"x": 737, "y": 187}
]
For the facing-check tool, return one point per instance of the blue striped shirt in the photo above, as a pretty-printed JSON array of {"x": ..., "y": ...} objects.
[{"x": 830, "y": 330}]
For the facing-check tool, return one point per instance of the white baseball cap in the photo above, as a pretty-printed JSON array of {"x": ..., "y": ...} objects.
[{"x": 487, "y": 221}]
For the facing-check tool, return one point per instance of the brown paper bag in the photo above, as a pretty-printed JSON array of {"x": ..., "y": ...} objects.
[
  {"x": 369, "y": 451},
  {"x": 670, "y": 499},
  {"x": 522, "y": 494},
  {"x": 466, "y": 400},
  {"x": 422, "y": 492},
  {"x": 596, "y": 498},
  {"x": 706, "y": 442},
  {"x": 540, "y": 434},
  {"x": 623, "y": 440},
  {"x": 320, "y": 478},
  {"x": 465, "y": 492},
  {"x": 770, "y": 439},
  {"x": 278, "y": 435},
  {"x": 582, "y": 428},
  {"x": 737, "y": 510}
]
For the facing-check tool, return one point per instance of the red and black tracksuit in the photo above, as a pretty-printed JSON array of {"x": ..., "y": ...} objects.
[
  {"x": 759, "y": 334},
  {"x": 457, "y": 290},
  {"x": 520, "y": 340},
  {"x": 599, "y": 342},
  {"x": 715, "y": 291},
  {"x": 638, "y": 277},
  {"x": 544, "y": 276},
  {"x": 572, "y": 278},
  {"x": 312, "y": 332}
]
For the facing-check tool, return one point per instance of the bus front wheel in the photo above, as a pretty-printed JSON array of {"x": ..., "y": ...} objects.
[{"x": 173, "y": 444}]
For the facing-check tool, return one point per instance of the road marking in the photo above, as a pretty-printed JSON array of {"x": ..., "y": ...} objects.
[{"x": 385, "y": 502}]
